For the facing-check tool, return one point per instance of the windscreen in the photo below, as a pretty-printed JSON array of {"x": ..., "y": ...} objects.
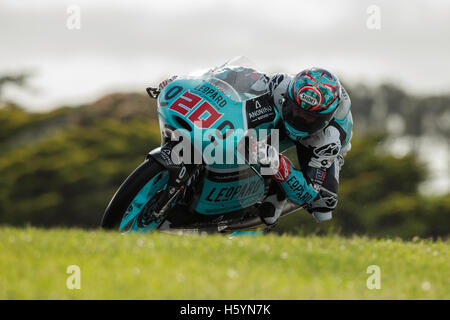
[{"x": 236, "y": 79}]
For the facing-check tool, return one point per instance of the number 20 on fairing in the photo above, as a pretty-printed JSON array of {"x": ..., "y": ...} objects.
[{"x": 204, "y": 114}]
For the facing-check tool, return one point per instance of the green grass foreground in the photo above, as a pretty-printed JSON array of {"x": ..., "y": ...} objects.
[{"x": 33, "y": 265}]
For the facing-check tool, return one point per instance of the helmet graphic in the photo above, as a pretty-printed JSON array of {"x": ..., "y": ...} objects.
[{"x": 311, "y": 101}]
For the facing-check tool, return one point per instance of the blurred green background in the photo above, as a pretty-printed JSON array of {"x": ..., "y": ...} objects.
[{"x": 60, "y": 168}]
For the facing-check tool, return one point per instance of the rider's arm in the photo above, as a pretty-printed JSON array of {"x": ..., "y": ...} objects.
[
  {"x": 320, "y": 159},
  {"x": 298, "y": 186},
  {"x": 315, "y": 185},
  {"x": 293, "y": 182}
]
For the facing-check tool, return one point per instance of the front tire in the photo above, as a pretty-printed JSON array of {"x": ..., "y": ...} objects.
[{"x": 129, "y": 191}]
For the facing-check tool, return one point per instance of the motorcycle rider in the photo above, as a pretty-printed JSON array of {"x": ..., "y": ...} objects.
[
  {"x": 316, "y": 114},
  {"x": 316, "y": 118}
]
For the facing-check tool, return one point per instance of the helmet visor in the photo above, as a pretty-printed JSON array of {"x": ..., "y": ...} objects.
[{"x": 303, "y": 120}]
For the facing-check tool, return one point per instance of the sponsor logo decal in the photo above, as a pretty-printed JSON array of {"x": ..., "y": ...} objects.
[
  {"x": 259, "y": 111},
  {"x": 241, "y": 192},
  {"x": 320, "y": 174},
  {"x": 283, "y": 170},
  {"x": 308, "y": 99},
  {"x": 166, "y": 155},
  {"x": 331, "y": 149},
  {"x": 297, "y": 187},
  {"x": 212, "y": 94}
]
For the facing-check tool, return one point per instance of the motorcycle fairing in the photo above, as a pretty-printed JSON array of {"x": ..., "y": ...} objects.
[
  {"x": 229, "y": 190},
  {"x": 221, "y": 109}
]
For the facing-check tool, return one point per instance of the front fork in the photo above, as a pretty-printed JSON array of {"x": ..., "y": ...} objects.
[{"x": 181, "y": 176}]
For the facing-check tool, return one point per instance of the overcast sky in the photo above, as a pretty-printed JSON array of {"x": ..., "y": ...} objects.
[{"x": 128, "y": 45}]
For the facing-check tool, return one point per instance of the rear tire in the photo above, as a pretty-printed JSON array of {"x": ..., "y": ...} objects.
[{"x": 127, "y": 192}]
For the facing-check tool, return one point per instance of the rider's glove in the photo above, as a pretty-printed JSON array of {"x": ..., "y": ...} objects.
[
  {"x": 272, "y": 162},
  {"x": 164, "y": 83},
  {"x": 268, "y": 157}
]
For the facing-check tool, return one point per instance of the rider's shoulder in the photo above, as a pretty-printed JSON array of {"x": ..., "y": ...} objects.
[
  {"x": 344, "y": 93},
  {"x": 278, "y": 84},
  {"x": 344, "y": 105},
  {"x": 278, "y": 79}
]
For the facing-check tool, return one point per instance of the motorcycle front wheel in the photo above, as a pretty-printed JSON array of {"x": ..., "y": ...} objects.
[{"x": 130, "y": 209}]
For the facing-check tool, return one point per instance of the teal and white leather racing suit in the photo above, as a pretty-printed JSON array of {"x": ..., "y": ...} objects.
[{"x": 320, "y": 156}]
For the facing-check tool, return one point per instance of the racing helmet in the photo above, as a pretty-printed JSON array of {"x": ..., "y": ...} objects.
[{"x": 310, "y": 102}]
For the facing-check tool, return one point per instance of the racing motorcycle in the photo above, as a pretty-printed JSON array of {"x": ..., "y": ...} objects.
[{"x": 182, "y": 191}]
